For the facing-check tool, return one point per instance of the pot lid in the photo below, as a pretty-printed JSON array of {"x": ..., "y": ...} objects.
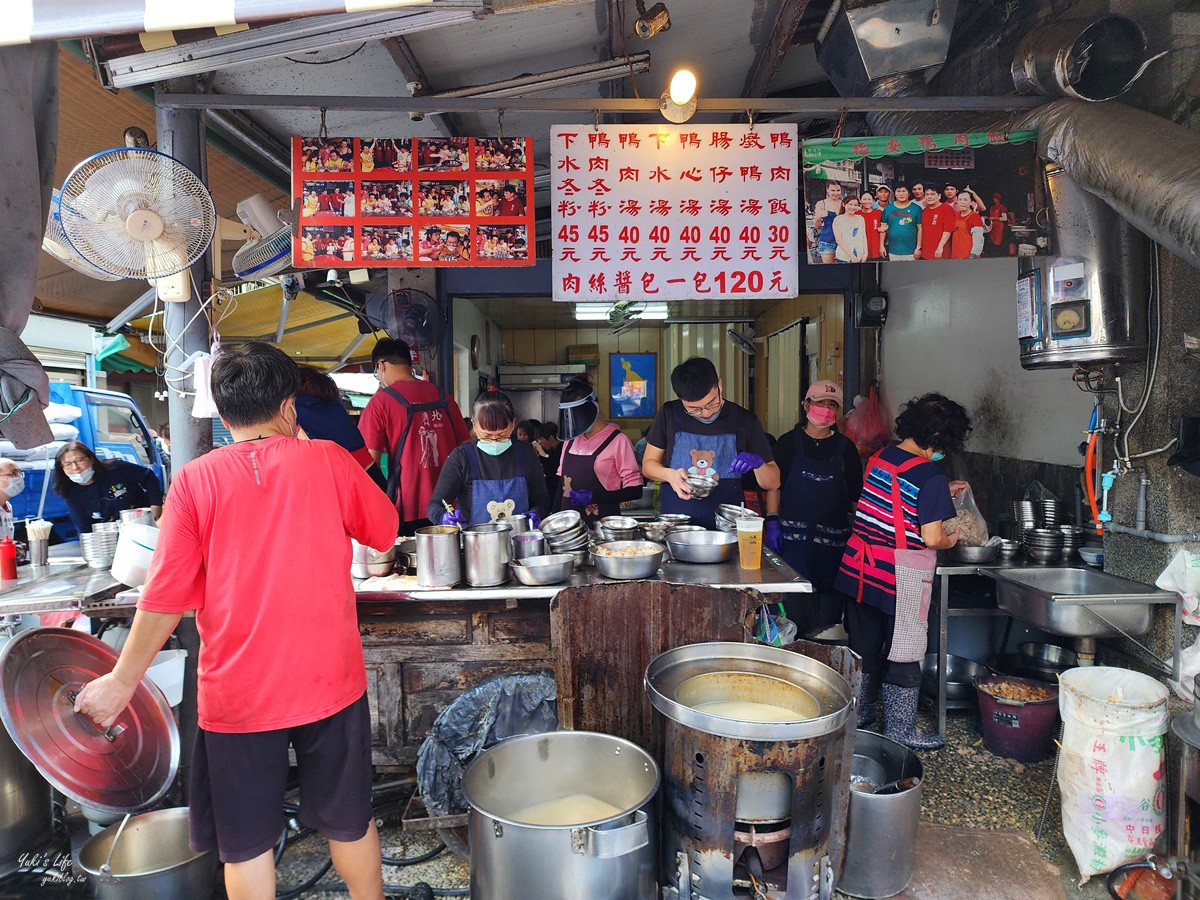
[{"x": 124, "y": 770}]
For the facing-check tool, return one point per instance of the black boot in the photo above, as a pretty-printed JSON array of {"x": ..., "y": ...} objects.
[
  {"x": 866, "y": 700},
  {"x": 900, "y": 718}
]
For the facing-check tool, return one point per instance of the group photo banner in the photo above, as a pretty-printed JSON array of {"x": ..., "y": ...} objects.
[
  {"x": 674, "y": 212},
  {"x": 922, "y": 197},
  {"x": 413, "y": 202}
]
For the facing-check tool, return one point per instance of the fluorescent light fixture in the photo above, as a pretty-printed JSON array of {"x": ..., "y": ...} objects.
[
  {"x": 587, "y": 73},
  {"x": 599, "y": 312},
  {"x": 283, "y": 39}
]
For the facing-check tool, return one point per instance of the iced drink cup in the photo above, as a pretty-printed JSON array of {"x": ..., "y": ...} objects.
[{"x": 750, "y": 540}]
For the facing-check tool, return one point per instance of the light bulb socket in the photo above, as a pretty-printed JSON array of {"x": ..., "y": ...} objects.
[{"x": 676, "y": 112}]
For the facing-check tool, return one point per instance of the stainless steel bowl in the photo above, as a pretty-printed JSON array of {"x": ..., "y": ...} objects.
[
  {"x": 674, "y": 518},
  {"x": 975, "y": 554},
  {"x": 562, "y": 523},
  {"x": 627, "y": 568},
  {"x": 656, "y": 530},
  {"x": 617, "y": 528},
  {"x": 960, "y": 675},
  {"x": 1049, "y": 656},
  {"x": 1009, "y": 549},
  {"x": 539, "y": 570},
  {"x": 701, "y": 485},
  {"x": 702, "y": 546}
]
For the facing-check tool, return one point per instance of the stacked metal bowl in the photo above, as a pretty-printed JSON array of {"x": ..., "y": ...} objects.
[
  {"x": 1044, "y": 544},
  {"x": 565, "y": 532},
  {"x": 617, "y": 528},
  {"x": 100, "y": 546},
  {"x": 1049, "y": 513},
  {"x": 1024, "y": 518},
  {"x": 1072, "y": 538},
  {"x": 729, "y": 513},
  {"x": 1009, "y": 549}
]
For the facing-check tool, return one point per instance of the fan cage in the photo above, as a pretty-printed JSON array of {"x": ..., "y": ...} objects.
[
  {"x": 268, "y": 256},
  {"x": 56, "y": 244}
]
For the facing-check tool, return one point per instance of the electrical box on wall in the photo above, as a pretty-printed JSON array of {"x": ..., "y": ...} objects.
[{"x": 870, "y": 309}]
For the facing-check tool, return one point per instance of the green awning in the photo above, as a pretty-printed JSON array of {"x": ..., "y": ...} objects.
[
  {"x": 826, "y": 151},
  {"x": 116, "y": 345},
  {"x": 119, "y": 364}
]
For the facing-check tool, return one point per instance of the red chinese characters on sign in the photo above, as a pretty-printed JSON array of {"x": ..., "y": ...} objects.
[{"x": 674, "y": 212}]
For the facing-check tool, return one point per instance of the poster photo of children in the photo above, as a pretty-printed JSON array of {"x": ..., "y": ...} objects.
[
  {"x": 386, "y": 198},
  {"x": 500, "y": 154},
  {"x": 922, "y": 197},
  {"x": 387, "y": 242},
  {"x": 327, "y": 155},
  {"x": 326, "y": 245},
  {"x": 385, "y": 154},
  {"x": 442, "y": 154},
  {"x": 444, "y": 198},
  {"x": 327, "y": 198},
  {"x": 500, "y": 198},
  {"x": 445, "y": 243},
  {"x": 501, "y": 242}
]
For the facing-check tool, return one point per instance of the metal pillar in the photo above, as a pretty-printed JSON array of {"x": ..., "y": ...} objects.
[
  {"x": 180, "y": 134},
  {"x": 445, "y": 373}
]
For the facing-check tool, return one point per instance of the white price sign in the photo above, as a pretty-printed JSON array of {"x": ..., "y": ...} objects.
[{"x": 674, "y": 212}]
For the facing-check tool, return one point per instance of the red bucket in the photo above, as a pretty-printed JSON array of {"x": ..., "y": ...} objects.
[{"x": 1018, "y": 729}]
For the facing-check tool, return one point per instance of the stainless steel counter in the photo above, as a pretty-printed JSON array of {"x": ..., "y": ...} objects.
[
  {"x": 775, "y": 577},
  {"x": 66, "y": 584}
]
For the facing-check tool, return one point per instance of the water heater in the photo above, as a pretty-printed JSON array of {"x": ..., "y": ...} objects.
[{"x": 1087, "y": 304}]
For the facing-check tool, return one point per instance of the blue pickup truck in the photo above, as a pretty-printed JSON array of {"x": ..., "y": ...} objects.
[{"x": 112, "y": 425}]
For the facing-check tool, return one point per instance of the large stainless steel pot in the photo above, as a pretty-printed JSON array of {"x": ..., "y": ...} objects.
[
  {"x": 609, "y": 859},
  {"x": 367, "y": 561},
  {"x": 151, "y": 859},
  {"x": 439, "y": 557},
  {"x": 487, "y": 551},
  {"x": 25, "y": 819}
]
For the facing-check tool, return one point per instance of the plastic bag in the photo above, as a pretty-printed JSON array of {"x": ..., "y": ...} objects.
[
  {"x": 773, "y": 629},
  {"x": 972, "y": 527},
  {"x": 1182, "y": 575},
  {"x": 1035, "y": 491},
  {"x": 867, "y": 424},
  {"x": 500, "y": 708},
  {"x": 1189, "y": 668}
]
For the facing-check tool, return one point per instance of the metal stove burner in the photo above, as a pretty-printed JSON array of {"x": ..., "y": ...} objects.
[{"x": 769, "y": 841}]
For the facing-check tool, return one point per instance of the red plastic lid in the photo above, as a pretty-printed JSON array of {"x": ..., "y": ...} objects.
[{"x": 126, "y": 770}]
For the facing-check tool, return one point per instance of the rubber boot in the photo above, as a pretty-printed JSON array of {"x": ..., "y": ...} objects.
[
  {"x": 900, "y": 718},
  {"x": 866, "y": 699}
]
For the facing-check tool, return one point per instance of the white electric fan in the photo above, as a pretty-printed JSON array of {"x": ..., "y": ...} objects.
[
  {"x": 136, "y": 213},
  {"x": 56, "y": 244},
  {"x": 271, "y": 252},
  {"x": 743, "y": 340}
]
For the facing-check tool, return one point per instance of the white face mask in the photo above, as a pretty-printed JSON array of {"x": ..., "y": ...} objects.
[
  {"x": 83, "y": 477},
  {"x": 16, "y": 484}
]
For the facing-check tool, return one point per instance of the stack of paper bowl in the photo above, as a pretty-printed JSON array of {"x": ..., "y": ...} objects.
[{"x": 100, "y": 546}]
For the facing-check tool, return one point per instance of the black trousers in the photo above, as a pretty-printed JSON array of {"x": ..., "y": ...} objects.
[{"x": 870, "y": 633}]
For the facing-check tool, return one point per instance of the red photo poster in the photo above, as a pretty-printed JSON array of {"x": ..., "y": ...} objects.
[{"x": 368, "y": 202}]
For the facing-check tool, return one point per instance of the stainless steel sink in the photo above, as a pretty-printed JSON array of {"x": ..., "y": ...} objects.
[{"x": 1060, "y": 600}]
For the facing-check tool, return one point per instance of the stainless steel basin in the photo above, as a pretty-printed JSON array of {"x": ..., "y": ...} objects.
[{"x": 1061, "y": 600}]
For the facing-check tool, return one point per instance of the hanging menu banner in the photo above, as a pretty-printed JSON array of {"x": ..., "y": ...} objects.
[
  {"x": 413, "y": 202},
  {"x": 674, "y": 212}
]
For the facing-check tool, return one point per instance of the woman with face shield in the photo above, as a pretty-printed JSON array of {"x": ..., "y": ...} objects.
[
  {"x": 97, "y": 490},
  {"x": 491, "y": 476},
  {"x": 598, "y": 469}
]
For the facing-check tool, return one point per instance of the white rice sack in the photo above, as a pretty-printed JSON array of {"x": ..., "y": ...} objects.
[
  {"x": 63, "y": 432},
  {"x": 62, "y": 413}
]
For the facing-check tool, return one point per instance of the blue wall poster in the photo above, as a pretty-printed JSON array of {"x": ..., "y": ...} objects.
[{"x": 633, "y": 385}]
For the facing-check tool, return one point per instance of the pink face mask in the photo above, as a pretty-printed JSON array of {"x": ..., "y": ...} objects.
[{"x": 822, "y": 417}]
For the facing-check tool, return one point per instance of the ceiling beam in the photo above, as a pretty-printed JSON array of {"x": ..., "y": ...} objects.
[
  {"x": 417, "y": 81},
  {"x": 762, "y": 73},
  {"x": 810, "y": 105}
]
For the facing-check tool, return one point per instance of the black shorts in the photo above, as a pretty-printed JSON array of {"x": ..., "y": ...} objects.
[{"x": 238, "y": 783}]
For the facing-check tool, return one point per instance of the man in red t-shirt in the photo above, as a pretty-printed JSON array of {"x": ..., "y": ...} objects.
[
  {"x": 416, "y": 424},
  {"x": 937, "y": 219},
  {"x": 256, "y": 539},
  {"x": 872, "y": 215}
]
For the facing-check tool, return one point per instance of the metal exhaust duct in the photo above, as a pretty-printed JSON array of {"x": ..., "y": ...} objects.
[{"x": 1088, "y": 59}]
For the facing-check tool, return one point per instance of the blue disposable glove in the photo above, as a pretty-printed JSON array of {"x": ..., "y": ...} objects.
[
  {"x": 745, "y": 462},
  {"x": 534, "y": 520},
  {"x": 773, "y": 534},
  {"x": 581, "y": 497},
  {"x": 454, "y": 517}
]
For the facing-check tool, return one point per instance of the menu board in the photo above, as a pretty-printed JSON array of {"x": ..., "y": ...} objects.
[
  {"x": 413, "y": 202},
  {"x": 674, "y": 212}
]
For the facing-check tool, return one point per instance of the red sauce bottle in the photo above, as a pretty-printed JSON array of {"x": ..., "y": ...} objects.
[{"x": 8, "y": 560}]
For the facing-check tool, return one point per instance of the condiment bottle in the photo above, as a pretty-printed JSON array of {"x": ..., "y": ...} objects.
[{"x": 8, "y": 560}]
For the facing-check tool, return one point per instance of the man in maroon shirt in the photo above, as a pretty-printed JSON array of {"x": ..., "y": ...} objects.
[
  {"x": 416, "y": 424},
  {"x": 937, "y": 220},
  {"x": 509, "y": 205}
]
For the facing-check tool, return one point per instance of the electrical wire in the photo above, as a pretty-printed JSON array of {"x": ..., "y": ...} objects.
[
  {"x": 326, "y": 62},
  {"x": 1152, "y": 362}
]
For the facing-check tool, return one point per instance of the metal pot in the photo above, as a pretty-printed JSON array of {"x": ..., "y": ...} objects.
[
  {"x": 487, "y": 550},
  {"x": 610, "y": 858},
  {"x": 150, "y": 859},
  {"x": 25, "y": 819},
  {"x": 439, "y": 557},
  {"x": 367, "y": 561}
]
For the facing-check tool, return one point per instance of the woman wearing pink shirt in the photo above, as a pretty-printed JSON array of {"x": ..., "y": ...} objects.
[{"x": 598, "y": 469}]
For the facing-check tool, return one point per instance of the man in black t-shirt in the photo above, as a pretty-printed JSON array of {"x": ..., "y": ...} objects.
[{"x": 702, "y": 433}]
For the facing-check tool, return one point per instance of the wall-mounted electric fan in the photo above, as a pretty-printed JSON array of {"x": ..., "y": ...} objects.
[
  {"x": 56, "y": 244},
  {"x": 136, "y": 213},
  {"x": 271, "y": 252},
  {"x": 624, "y": 315},
  {"x": 743, "y": 340}
]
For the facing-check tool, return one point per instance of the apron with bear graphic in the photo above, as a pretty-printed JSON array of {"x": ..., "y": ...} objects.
[
  {"x": 494, "y": 498},
  {"x": 701, "y": 453}
]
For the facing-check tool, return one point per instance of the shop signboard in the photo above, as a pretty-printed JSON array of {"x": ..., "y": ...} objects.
[
  {"x": 369, "y": 202},
  {"x": 918, "y": 197},
  {"x": 674, "y": 212}
]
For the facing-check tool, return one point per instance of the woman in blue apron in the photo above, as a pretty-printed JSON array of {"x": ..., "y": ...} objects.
[
  {"x": 700, "y": 434},
  {"x": 491, "y": 476},
  {"x": 808, "y": 523},
  {"x": 597, "y": 466}
]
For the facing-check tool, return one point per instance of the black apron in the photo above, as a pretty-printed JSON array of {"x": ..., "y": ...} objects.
[
  {"x": 579, "y": 474},
  {"x": 701, "y": 453},
  {"x": 814, "y": 509}
]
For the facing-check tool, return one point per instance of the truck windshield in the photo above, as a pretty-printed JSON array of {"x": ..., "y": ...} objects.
[{"x": 119, "y": 435}]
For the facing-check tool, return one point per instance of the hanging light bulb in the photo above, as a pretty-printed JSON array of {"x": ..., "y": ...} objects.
[{"x": 683, "y": 87}]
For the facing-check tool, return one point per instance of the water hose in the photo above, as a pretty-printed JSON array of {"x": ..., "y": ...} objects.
[{"x": 1089, "y": 468}]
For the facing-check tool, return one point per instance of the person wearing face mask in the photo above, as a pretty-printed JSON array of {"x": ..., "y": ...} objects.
[
  {"x": 905, "y": 499},
  {"x": 12, "y": 482},
  {"x": 598, "y": 469},
  {"x": 808, "y": 520},
  {"x": 492, "y": 476},
  {"x": 703, "y": 433},
  {"x": 97, "y": 490}
]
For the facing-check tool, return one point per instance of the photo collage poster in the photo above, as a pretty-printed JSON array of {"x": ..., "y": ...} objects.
[{"x": 372, "y": 202}]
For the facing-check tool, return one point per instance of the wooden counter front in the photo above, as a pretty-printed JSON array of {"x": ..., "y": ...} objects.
[{"x": 421, "y": 655}]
